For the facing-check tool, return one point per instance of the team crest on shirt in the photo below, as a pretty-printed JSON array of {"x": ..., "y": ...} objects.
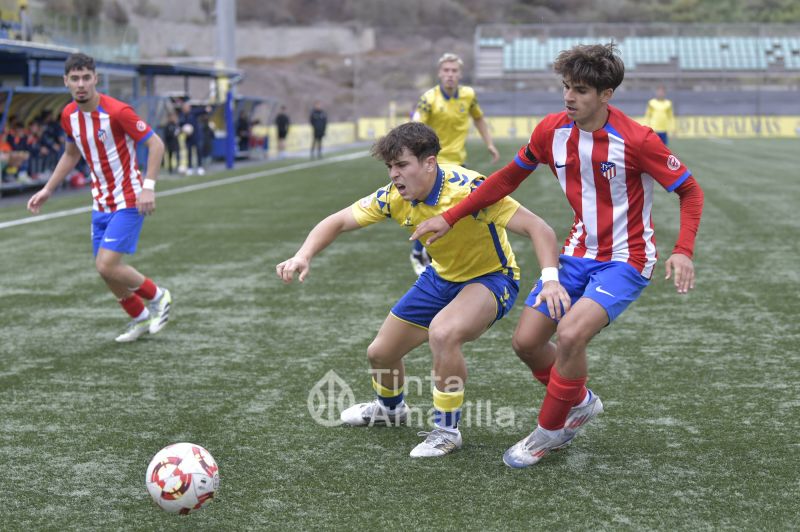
[
  {"x": 140, "y": 125},
  {"x": 101, "y": 135},
  {"x": 608, "y": 169},
  {"x": 673, "y": 163}
]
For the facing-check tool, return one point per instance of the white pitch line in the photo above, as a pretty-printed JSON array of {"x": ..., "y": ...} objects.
[{"x": 192, "y": 188}]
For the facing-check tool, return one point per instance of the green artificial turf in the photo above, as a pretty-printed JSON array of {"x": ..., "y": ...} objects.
[{"x": 701, "y": 391}]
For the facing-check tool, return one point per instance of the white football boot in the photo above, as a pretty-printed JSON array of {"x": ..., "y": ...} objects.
[
  {"x": 374, "y": 413},
  {"x": 438, "y": 442},
  {"x": 580, "y": 415},
  {"x": 159, "y": 311},
  {"x": 534, "y": 447},
  {"x": 134, "y": 330}
]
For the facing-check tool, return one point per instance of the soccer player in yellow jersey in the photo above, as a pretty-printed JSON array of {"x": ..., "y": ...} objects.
[
  {"x": 447, "y": 108},
  {"x": 472, "y": 282},
  {"x": 659, "y": 115}
]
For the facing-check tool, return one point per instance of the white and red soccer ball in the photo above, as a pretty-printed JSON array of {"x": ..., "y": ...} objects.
[{"x": 182, "y": 478}]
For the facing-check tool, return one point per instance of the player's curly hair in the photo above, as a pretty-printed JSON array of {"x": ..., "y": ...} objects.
[
  {"x": 78, "y": 61},
  {"x": 420, "y": 140},
  {"x": 596, "y": 65}
]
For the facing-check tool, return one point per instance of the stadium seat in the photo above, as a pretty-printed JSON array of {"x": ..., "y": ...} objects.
[{"x": 691, "y": 52}]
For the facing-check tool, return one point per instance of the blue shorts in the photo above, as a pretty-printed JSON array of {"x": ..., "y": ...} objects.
[
  {"x": 663, "y": 136},
  {"x": 613, "y": 285},
  {"x": 431, "y": 293},
  {"x": 117, "y": 231}
]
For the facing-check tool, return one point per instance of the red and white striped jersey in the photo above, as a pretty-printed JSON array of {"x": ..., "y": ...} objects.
[
  {"x": 107, "y": 137},
  {"x": 607, "y": 176}
]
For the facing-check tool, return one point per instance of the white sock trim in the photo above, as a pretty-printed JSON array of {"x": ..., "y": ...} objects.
[{"x": 585, "y": 399}]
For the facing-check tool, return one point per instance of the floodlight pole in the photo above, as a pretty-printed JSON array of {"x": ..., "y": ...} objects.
[
  {"x": 226, "y": 54},
  {"x": 226, "y": 32}
]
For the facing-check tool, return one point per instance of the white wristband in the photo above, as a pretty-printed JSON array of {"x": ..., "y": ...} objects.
[
  {"x": 549, "y": 274},
  {"x": 149, "y": 184}
]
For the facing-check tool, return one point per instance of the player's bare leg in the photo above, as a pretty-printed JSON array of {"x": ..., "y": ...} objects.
[
  {"x": 463, "y": 320},
  {"x": 532, "y": 340},
  {"x": 568, "y": 405},
  {"x": 575, "y": 330},
  {"x": 120, "y": 278},
  {"x": 125, "y": 281},
  {"x": 394, "y": 340}
]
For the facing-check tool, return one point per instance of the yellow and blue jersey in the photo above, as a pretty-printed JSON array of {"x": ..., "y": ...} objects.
[
  {"x": 449, "y": 117},
  {"x": 659, "y": 115},
  {"x": 476, "y": 245}
]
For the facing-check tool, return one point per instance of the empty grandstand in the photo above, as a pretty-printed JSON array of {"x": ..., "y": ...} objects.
[
  {"x": 750, "y": 71},
  {"x": 688, "y": 54}
]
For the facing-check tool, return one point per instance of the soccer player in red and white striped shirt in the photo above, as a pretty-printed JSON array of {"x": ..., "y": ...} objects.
[
  {"x": 105, "y": 131},
  {"x": 607, "y": 166}
]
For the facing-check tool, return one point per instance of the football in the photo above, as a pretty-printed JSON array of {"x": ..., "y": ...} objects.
[
  {"x": 187, "y": 129},
  {"x": 182, "y": 478}
]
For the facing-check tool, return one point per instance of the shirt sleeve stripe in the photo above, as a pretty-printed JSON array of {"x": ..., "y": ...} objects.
[
  {"x": 523, "y": 164},
  {"x": 143, "y": 139},
  {"x": 680, "y": 181}
]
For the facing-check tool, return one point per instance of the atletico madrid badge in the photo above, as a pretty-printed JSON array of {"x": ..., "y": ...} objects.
[{"x": 608, "y": 169}]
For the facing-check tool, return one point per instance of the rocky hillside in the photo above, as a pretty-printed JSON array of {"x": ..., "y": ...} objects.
[{"x": 408, "y": 38}]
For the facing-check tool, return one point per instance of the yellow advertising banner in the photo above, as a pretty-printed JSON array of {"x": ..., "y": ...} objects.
[
  {"x": 699, "y": 126},
  {"x": 737, "y": 126},
  {"x": 520, "y": 128}
]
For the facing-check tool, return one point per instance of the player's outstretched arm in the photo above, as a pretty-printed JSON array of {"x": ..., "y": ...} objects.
[
  {"x": 525, "y": 223},
  {"x": 498, "y": 185},
  {"x": 679, "y": 265},
  {"x": 67, "y": 162},
  {"x": 318, "y": 239}
]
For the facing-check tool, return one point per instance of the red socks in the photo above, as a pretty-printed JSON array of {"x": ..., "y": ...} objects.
[
  {"x": 562, "y": 394},
  {"x": 148, "y": 289},
  {"x": 543, "y": 375},
  {"x": 133, "y": 305}
]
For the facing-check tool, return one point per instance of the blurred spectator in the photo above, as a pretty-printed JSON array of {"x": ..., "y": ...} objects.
[
  {"x": 172, "y": 130},
  {"x": 243, "y": 132},
  {"x": 30, "y": 153},
  {"x": 5, "y": 160},
  {"x": 319, "y": 122},
  {"x": 52, "y": 137},
  {"x": 17, "y": 141},
  {"x": 259, "y": 139},
  {"x": 282, "y": 123},
  {"x": 191, "y": 132},
  {"x": 206, "y": 136},
  {"x": 37, "y": 150}
]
